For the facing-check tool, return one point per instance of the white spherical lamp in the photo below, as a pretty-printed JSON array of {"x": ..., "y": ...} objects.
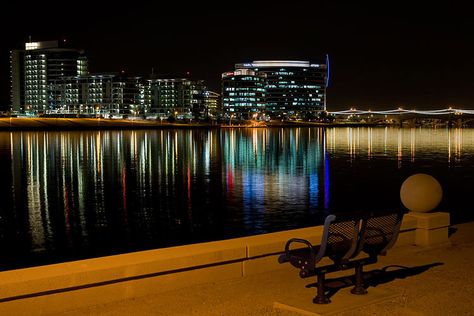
[{"x": 421, "y": 193}]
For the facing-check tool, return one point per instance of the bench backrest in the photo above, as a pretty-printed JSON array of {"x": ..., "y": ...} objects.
[
  {"x": 344, "y": 237},
  {"x": 379, "y": 233},
  {"x": 372, "y": 233},
  {"x": 341, "y": 242}
]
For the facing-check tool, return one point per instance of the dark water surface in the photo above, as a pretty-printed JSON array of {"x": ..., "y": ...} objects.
[{"x": 73, "y": 195}]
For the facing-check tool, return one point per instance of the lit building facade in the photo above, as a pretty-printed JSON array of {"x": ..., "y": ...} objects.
[
  {"x": 182, "y": 96},
  {"x": 110, "y": 94},
  {"x": 290, "y": 87},
  {"x": 35, "y": 69},
  {"x": 48, "y": 78},
  {"x": 243, "y": 92},
  {"x": 211, "y": 103}
]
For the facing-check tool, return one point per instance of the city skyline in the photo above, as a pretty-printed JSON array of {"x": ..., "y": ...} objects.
[{"x": 410, "y": 57}]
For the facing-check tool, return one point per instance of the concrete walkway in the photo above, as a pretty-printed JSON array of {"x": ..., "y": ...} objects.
[{"x": 435, "y": 281}]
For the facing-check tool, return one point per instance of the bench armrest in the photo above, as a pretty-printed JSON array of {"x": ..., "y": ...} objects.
[
  {"x": 314, "y": 257},
  {"x": 302, "y": 241},
  {"x": 303, "y": 258}
]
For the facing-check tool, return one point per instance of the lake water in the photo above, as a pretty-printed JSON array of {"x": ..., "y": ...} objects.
[{"x": 73, "y": 195}]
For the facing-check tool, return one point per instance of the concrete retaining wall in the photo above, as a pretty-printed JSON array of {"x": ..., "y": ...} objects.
[{"x": 59, "y": 287}]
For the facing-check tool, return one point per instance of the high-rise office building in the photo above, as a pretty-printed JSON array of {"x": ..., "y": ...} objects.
[
  {"x": 243, "y": 92},
  {"x": 291, "y": 87},
  {"x": 36, "y": 68}
]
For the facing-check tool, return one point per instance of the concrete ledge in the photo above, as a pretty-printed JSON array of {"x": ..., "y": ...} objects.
[
  {"x": 59, "y": 287},
  {"x": 275, "y": 242},
  {"x": 119, "y": 267}
]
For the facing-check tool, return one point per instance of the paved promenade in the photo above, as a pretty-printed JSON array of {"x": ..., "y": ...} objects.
[{"x": 408, "y": 281}]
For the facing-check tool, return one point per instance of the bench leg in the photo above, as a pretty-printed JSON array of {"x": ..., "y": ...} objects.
[
  {"x": 359, "y": 281},
  {"x": 321, "y": 297}
]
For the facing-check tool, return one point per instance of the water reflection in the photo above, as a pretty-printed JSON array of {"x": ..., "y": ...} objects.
[
  {"x": 78, "y": 194},
  {"x": 268, "y": 172},
  {"x": 400, "y": 143},
  {"x": 72, "y": 195}
]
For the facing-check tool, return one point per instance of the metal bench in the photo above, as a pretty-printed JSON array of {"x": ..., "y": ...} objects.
[{"x": 344, "y": 238}]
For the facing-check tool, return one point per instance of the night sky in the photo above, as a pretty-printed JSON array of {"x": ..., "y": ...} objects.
[{"x": 382, "y": 56}]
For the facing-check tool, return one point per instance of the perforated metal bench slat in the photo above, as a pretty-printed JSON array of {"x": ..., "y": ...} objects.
[
  {"x": 341, "y": 239},
  {"x": 379, "y": 232}
]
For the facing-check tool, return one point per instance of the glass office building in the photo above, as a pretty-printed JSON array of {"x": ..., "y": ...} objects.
[
  {"x": 243, "y": 93},
  {"x": 290, "y": 87}
]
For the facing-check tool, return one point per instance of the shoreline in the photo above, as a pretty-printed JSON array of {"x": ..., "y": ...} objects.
[{"x": 59, "y": 124}]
